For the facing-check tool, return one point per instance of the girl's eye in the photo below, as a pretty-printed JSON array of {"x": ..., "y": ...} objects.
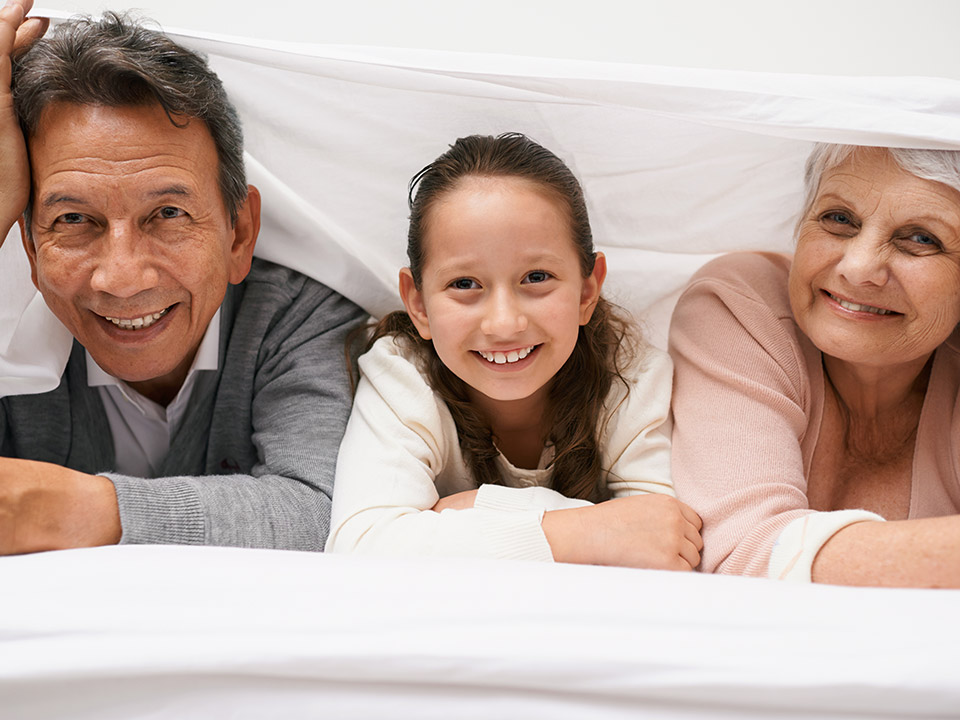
[
  {"x": 169, "y": 212},
  {"x": 464, "y": 284},
  {"x": 537, "y": 276}
]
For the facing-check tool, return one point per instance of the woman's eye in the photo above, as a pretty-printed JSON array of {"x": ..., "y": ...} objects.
[
  {"x": 169, "y": 212},
  {"x": 840, "y": 218},
  {"x": 537, "y": 276},
  {"x": 923, "y": 240},
  {"x": 464, "y": 284}
]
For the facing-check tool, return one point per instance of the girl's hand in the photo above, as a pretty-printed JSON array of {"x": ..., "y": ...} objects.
[
  {"x": 15, "y": 33},
  {"x": 643, "y": 531},
  {"x": 458, "y": 501}
]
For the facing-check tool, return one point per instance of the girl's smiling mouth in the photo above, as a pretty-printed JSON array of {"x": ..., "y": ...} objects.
[{"x": 499, "y": 357}]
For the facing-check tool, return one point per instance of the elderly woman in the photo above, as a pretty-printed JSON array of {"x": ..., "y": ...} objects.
[{"x": 817, "y": 396}]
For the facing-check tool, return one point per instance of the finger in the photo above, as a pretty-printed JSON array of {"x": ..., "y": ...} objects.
[
  {"x": 30, "y": 31},
  {"x": 11, "y": 18},
  {"x": 690, "y": 553},
  {"x": 690, "y": 515}
]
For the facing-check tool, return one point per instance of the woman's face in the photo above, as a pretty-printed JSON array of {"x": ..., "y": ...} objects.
[{"x": 876, "y": 275}]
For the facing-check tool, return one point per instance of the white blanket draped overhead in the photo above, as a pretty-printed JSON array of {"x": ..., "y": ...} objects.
[{"x": 677, "y": 164}]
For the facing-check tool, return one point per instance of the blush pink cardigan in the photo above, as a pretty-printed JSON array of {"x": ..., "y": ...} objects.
[{"x": 748, "y": 402}]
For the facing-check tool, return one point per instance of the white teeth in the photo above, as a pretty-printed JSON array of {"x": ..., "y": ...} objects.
[
  {"x": 856, "y": 307},
  {"x": 139, "y": 323},
  {"x": 501, "y": 358}
]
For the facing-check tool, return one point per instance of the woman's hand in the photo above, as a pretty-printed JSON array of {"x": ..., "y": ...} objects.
[
  {"x": 643, "y": 531},
  {"x": 458, "y": 501},
  {"x": 15, "y": 33}
]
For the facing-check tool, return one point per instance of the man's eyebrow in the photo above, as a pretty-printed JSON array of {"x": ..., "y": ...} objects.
[
  {"x": 169, "y": 190},
  {"x": 55, "y": 199}
]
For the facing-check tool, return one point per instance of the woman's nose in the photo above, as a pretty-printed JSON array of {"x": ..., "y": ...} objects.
[
  {"x": 864, "y": 260},
  {"x": 503, "y": 315}
]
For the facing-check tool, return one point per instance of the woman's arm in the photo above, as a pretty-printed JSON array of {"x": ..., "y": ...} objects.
[{"x": 903, "y": 553}]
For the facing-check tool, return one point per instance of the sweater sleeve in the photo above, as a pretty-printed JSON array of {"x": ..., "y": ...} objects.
[
  {"x": 741, "y": 406},
  {"x": 400, "y": 437}
]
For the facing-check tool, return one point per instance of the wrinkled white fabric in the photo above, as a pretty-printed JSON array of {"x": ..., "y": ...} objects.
[
  {"x": 677, "y": 164},
  {"x": 184, "y": 633}
]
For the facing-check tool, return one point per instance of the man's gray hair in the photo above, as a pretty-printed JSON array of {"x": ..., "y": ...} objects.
[
  {"x": 942, "y": 166},
  {"x": 116, "y": 61}
]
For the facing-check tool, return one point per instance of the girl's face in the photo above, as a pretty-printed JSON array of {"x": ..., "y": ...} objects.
[{"x": 503, "y": 295}]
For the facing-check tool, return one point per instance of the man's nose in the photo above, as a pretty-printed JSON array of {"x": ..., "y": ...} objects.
[
  {"x": 124, "y": 266},
  {"x": 503, "y": 315}
]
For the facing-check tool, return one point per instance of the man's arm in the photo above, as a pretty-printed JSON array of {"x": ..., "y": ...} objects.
[
  {"x": 48, "y": 507},
  {"x": 15, "y": 33}
]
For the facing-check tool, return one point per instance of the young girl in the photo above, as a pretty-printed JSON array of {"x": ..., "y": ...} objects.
[{"x": 510, "y": 411}]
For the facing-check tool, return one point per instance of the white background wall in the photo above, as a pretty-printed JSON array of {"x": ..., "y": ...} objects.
[{"x": 839, "y": 37}]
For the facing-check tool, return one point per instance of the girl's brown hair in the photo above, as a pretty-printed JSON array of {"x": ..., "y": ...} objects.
[{"x": 604, "y": 345}]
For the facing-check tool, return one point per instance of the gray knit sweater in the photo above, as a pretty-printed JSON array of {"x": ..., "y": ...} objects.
[{"x": 252, "y": 464}]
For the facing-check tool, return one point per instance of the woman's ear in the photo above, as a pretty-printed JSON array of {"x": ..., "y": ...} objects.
[
  {"x": 592, "y": 285},
  {"x": 413, "y": 302}
]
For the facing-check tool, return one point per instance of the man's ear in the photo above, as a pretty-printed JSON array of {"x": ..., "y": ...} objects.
[
  {"x": 30, "y": 250},
  {"x": 245, "y": 231},
  {"x": 413, "y": 302},
  {"x": 592, "y": 285}
]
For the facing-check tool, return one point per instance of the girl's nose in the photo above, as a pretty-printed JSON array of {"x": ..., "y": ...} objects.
[{"x": 503, "y": 317}]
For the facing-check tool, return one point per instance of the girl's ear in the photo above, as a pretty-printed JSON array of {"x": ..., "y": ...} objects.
[
  {"x": 592, "y": 285},
  {"x": 413, "y": 302}
]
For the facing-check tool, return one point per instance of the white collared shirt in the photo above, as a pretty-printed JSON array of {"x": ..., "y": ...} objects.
[{"x": 141, "y": 428}]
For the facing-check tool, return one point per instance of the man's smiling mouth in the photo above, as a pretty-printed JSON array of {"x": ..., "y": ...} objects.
[{"x": 137, "y": 323}]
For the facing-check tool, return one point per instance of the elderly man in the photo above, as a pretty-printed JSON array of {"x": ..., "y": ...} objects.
[{"x": 206, "y": 393}]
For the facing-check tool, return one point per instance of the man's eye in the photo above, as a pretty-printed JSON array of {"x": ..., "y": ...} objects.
[
  {"x": 464, "y": 284},
  {"x": 70, "y": 218},
  {"x": 170, "y": 212},
  {"x": 537, "y": 276}
]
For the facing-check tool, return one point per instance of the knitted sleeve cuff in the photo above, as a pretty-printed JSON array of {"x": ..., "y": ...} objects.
[
  {"x": 797, "y": 546},
  {"x": 159, "y": 511},
  {"x": 499, "y": 497}
]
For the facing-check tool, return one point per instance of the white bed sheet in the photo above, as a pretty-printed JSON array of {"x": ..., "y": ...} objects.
[
  {"x": 678, "y": 164},
  {"x": 182, "y": 633}
]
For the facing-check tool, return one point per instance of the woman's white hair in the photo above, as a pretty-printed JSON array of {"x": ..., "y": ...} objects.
[{"x": 942, "y": 166}]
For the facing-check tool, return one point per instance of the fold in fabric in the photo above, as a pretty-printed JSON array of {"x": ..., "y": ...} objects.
[{"x": 678, "y": 164}]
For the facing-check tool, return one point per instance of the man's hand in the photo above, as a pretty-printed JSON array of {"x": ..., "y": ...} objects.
[
  {"x": 643, "y": 531},
  {"x": 458, "y": 501},
  {"x": 49, "y": 507},
  {"x": 15, "y": 33}
]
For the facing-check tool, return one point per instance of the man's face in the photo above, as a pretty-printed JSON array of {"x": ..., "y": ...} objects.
[{"x": 132, "y": 244}]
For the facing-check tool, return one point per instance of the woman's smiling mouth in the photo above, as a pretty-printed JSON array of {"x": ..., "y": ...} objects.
[{"x": 858, "y": 307}]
